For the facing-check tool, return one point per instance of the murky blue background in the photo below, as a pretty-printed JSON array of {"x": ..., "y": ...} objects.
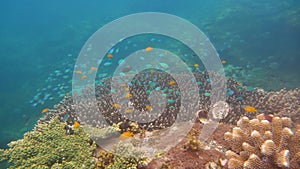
[{"x": 40, "y": 40}]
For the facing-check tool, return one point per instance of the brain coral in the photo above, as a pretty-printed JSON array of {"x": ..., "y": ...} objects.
[{"x": 264, "y": 142}]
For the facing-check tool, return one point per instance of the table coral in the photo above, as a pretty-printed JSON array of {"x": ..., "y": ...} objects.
[{"x": 261, "y": 143}]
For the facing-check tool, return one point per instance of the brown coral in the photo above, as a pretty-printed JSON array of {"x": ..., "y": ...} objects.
[{"x": 259, "y": 143}]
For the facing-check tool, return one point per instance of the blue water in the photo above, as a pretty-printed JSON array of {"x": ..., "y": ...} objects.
[{"x": 40, "y": 40}]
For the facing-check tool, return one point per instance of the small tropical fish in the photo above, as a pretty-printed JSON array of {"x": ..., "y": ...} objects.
[
  {"x": 120, "y": 61},
  {"x": 83, "y": 77},
  {"x": 172, "y": 82},
  {"x": 110, "y": 55},
  {"x": 128, "y": 95},
  {"x": 76, "y": 124},
  {"x": 223, "y": 62},
  {"x": 107, "y": 63},
  {"x": 171, "y": 101},
  {"x": 116, "y": 105},
  {"x": 128, "y": 111},
  {"x": 126, "y": 89},
  {"x": 126, "y": 135},
  {"x": 94, "y": 68},
  {"x": 148, "y": 49},
  {"x": 148, "y": 107},
  {"x": 79, "y": 72},
  {"x": 250, "y": 109},
  {"x": 196, "y": 65},
  {"x": 45, "y": 110},
  {"x": 164, "y": 65},
  {"x": 123, "y": 85}
]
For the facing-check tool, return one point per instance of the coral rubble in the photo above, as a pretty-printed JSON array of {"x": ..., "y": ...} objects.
[{"x": 263, "y": 142}]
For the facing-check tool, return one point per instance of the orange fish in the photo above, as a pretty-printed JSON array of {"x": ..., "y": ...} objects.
[
  {"x": 128, "y": 111},
  {"x": 110, "y": 55},
  {"x": 126, "y": 135},
  {"x": 78, "y": 72},
  {"x": 148, "y": 49},
  {"x": 250, "y": 109},
  {"x": 172, "y": 82},
  {"x": 196, "y": 65},
  {"x": 116, "y": 105},
  {"x": 83, "y": 77},
  {"x": 76, "y": 124},
  {"x": 148, "y": 107},
  {"x": 45, "y": 110},
  {"x": 128, "y": 95},
  {"x": 223, "y": 62},
  {"x": 94, "y": 68}
]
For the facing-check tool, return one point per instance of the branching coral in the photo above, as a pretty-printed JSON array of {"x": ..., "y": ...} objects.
[
  {"x": 263, "y": 142},
  {"x": 51, "y": 147}
]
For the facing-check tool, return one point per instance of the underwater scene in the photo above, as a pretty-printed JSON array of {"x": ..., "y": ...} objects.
[{"x": 120, "y": 84}]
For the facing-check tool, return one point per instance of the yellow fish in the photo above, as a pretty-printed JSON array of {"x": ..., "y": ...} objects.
[
  {"x": 76, "y": 124},
  {"x": 45, "y": 110},
  {"x": 116, "y": 105},
  {"x": 128, "y": 95},
  {"x": 223, "y": 62},
  {"x": 172, "y": 82},
  {"x": 128, "y": 111},
  {"x": 123, "y": 85},
  {"x": 109, "y": 55},
  {"x": 94, "y": 68},
  {"x": 250, "y": 109},
  {"x": 126, "y": 135},
  {"x": 148, "y": 107},
  {"x": 196, "y": 65},
  {"x": 148, "y": 49},
  {"x": 83, "y": 77},
  {"x": 79, "y": 72}
]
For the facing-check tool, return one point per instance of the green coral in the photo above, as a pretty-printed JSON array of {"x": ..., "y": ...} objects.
[{"x": 50, "y": 147}]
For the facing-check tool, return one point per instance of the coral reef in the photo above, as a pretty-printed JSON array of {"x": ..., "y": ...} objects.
[
  {"x": 264, "y": 142},
  {"x": 125, "y": 156},
  {"x": 104, "y": 159},
  {"x": 281, "y": 103},
  {"x": 284, "y": 103},
  {"x": 193, "y": 143},
  {"x": 50, "y": 147},
  {"x": 265, "y": 139}
]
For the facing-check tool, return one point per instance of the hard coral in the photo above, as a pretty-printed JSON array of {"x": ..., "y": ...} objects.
[
  {"x": 259, "y": 143},
  {"x": 51, "y": 147},
  {"x": 125, "y": 155}
]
